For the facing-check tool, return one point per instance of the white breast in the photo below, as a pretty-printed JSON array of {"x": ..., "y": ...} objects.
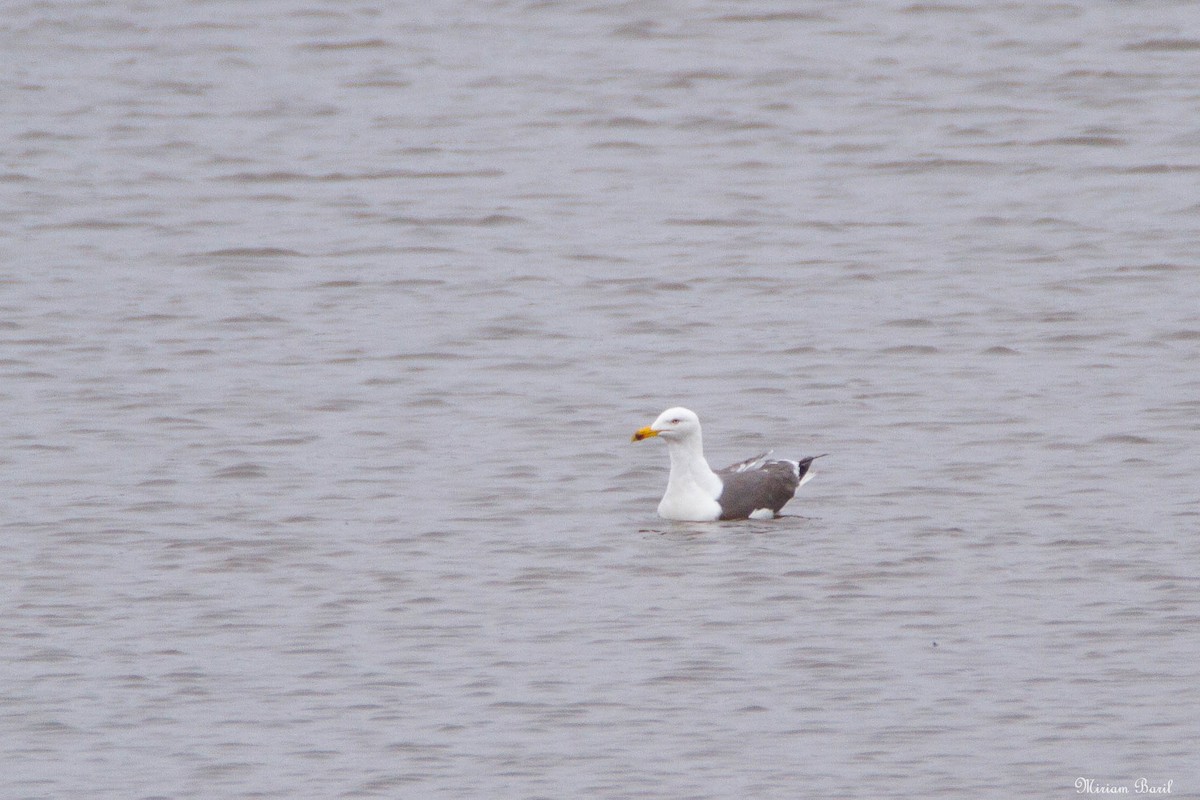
[{"x": 685, "y": 500}]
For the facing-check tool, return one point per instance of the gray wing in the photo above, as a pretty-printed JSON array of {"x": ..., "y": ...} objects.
[{"x": 756, "y": 484}]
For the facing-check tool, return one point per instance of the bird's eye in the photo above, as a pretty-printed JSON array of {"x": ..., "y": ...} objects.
[{"x": 675, "y": 422}]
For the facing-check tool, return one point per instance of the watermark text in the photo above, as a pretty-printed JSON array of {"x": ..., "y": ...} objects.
[{"x": 1139, "y": 786}]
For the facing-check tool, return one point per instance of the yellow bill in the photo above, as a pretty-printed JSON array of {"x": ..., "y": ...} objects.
[{"x": 644, "y": 433}]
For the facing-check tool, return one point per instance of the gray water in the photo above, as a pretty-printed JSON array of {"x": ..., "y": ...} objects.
[{"x": 324, "y": 327}]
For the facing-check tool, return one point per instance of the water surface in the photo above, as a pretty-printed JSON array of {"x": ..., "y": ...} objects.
[{"x": 323, "y": 329}]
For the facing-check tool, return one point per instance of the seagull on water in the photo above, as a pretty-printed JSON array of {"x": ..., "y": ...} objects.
[{"x": 752, "y": 489}]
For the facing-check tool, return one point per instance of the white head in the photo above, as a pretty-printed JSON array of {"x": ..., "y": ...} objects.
[{"x": 674, "y": 424}]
